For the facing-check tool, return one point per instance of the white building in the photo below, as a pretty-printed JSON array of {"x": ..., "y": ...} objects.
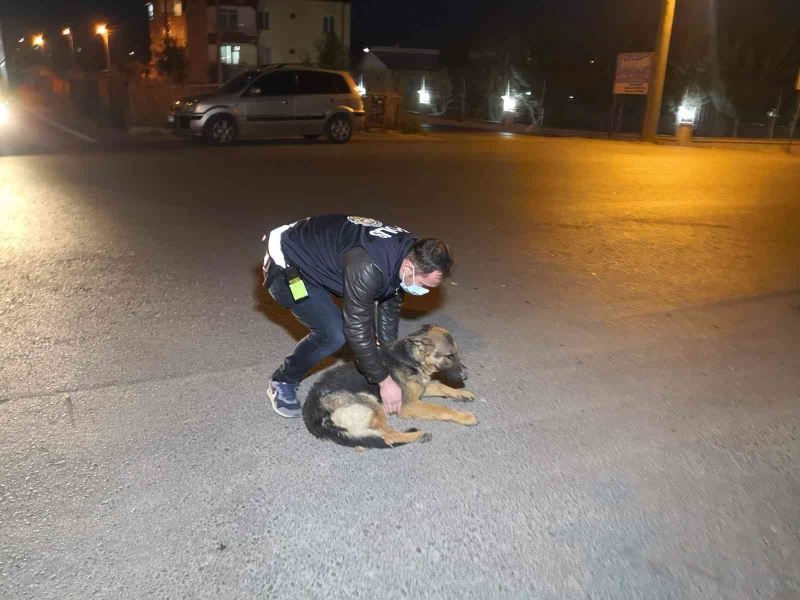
[
  {"x": 294, "y": 26},
  {"x": 243, "y": 34}
]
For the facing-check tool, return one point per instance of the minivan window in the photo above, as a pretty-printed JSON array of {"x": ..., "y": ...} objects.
[
  {"x": 337, "y": 83},
  {"x": 280, "y": 83},
  {"x": 319, "y": 82},
  {"x": 310, "y": 82},
  {"x": 238, "y": 83}
]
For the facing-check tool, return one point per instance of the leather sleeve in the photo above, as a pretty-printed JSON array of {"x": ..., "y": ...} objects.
[
  {"x": 363, "y": 281},
  {"x": 389, "y": 318}
]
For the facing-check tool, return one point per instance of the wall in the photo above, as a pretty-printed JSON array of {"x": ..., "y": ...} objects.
[
  {"x": 197, "y": 30},
  {"x": 301, "y": 32},
  {"x": 149, "y": 102}
]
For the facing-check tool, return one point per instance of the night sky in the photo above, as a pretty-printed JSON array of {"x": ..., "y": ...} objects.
[{"x": 567, "y": 27}]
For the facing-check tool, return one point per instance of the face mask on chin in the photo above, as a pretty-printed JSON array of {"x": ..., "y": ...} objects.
[{"x": 413, "y": 289}]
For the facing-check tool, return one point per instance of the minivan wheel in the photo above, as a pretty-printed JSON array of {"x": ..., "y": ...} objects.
[
  {"x": 339, "y": 129},
  {"x": 220, "y": 130}
]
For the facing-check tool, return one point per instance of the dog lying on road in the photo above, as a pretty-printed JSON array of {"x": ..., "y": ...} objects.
[{"x": 343, "y": 407}]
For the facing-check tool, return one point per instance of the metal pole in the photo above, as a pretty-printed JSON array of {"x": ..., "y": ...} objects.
[
  {"x": 3, "y": 69},
  {"x": 656, "y": 90},
  {"x": 219, "y": 43},
  {"x": 794, "y": 124},
  {"x": 71, "y": 42},
  {"x": 108, "y": 51}
]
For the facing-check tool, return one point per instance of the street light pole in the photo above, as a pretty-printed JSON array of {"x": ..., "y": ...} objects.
[
  {"x": 3, "y": 69},
  {"x": 102, "y": 30},
  {"x": 68, "y": 33},
  {"x": 656, "y": 90},
  {"x": 219, "y": 42}
]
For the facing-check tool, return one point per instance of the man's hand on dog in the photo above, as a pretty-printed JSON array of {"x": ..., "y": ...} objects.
[{"x": 391, "y": 395}]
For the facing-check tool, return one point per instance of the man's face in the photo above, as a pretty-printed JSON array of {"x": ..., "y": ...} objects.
[{"x": 431, "y": 280}]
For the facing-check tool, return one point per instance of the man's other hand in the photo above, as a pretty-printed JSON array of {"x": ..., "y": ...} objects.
[{"x": 391, "y": 395}]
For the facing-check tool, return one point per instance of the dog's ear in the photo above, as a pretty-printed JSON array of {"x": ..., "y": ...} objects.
[
  {"x": 411, "y": 351},
  {"x": 419, "y": 346}
]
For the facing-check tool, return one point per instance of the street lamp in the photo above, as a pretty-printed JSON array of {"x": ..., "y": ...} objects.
[
  {"x": 656, "y": 91},
  {"x": 38, "y": 41},
  {"x": 102, "y": 30},
  {"x": 509, "y": 102},
  {"x": 362, "y": 91},
  {"x": 686, "y": 113},
  {"x": 67, "y": 32},
  {"x": 424, "y": 95}
]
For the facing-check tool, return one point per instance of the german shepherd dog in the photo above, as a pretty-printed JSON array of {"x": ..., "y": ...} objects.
[{"x": 343, "y": 407}]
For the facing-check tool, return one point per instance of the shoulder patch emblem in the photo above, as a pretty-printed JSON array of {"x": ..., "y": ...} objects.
[{"x": 365, "y": 221}]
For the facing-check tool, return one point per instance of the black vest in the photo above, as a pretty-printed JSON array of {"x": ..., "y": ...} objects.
[{"x": 317, "y": 244}]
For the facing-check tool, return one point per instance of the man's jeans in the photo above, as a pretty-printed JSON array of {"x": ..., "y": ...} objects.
[{"x": 318, "y": 313}]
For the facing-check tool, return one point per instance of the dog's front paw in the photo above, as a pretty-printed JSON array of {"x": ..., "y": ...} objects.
[
  {"x": 466, "y": 418},
  {"x": 465, "y": 396}
]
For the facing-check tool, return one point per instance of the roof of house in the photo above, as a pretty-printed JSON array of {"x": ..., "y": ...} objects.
[{"x": 407, "y": 59}]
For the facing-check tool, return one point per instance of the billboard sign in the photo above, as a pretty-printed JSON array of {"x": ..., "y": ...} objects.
[{"x": 633, "y": 73}]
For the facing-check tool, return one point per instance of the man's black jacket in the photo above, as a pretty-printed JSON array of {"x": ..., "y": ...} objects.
[
  {"x": 358, "y": 259},
  {"x": 363, "y": 281}
]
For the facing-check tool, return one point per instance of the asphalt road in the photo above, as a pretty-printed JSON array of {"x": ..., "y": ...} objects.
[
  {"x": 630, "y": 315},
  {"x": 37, "y": 131}
]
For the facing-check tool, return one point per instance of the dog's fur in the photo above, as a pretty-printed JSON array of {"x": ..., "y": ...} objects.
[{"x": 343, "y": 407}]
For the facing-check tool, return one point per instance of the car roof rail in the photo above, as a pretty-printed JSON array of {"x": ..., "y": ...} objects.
[{"x": 294, "y": 64}]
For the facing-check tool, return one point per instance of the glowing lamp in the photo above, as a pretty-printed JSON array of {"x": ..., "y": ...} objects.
[
  {"x": 509, "y": 102},
  {"x": 101, "y": 30},
  {"x": 424, "y": 95},
  {"x": 686, "y": 114},
  {"x": 38, "y": 41}
]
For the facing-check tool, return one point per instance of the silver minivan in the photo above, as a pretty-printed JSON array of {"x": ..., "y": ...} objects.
[{"x": 275, "y": 101}]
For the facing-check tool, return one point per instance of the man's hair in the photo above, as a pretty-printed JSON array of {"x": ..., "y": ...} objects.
[{"x": 431, "y": 255}]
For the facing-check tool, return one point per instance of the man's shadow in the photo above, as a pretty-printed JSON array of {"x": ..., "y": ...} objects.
[{"x": 418, "y": 308}]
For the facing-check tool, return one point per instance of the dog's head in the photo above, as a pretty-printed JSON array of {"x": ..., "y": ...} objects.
[{"x": 434, "y": 350}]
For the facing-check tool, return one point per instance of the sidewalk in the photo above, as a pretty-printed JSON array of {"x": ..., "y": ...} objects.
[{"x": 772, "y": 145}]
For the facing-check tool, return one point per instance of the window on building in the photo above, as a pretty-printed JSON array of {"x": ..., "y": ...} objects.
[
  {"x": 177, "y": 7},
  {"x": 327, "y": 25},
  {"x": 151, "y": 11},
  {"x": 228, "y": 19},
  {"x": 262, "y": 20},
  {"x": 229, "y": 54}
]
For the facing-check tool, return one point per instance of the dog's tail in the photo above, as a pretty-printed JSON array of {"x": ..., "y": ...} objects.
[{"x": 344, "y": 418}]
